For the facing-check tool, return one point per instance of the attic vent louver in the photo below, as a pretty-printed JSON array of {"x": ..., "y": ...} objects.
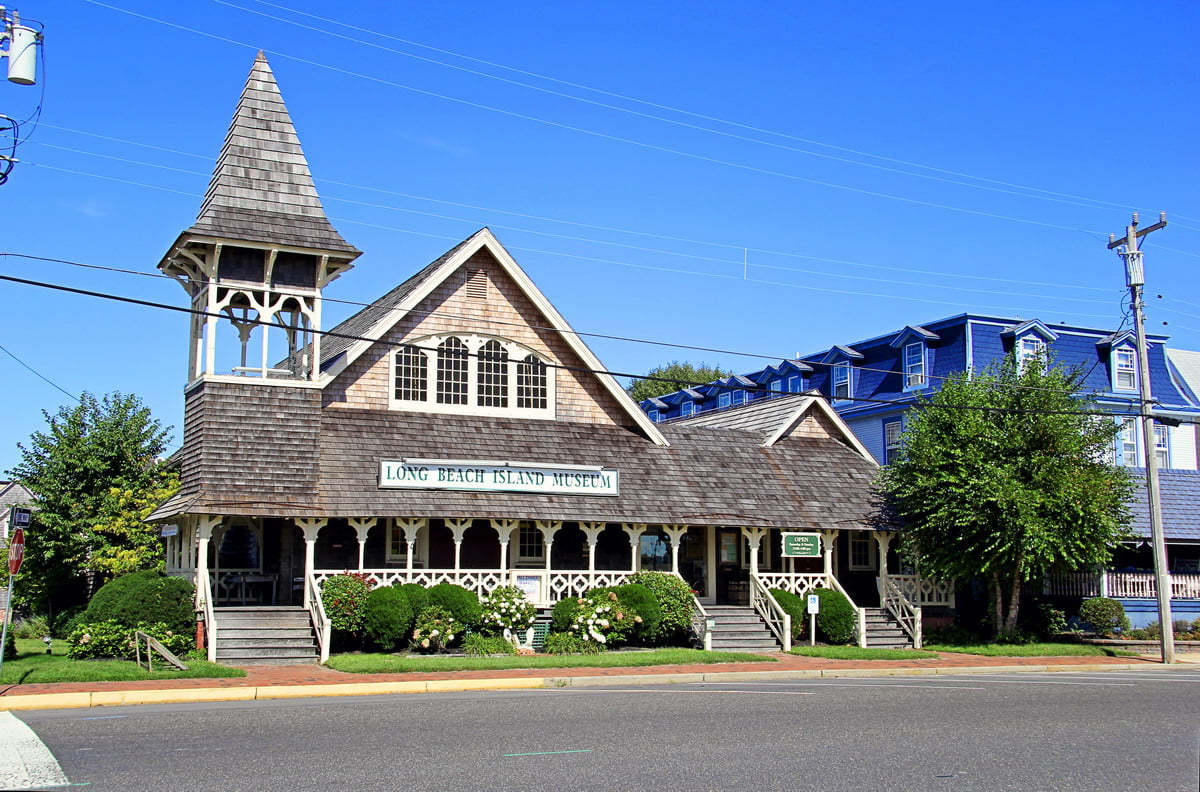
[{"x": 477, "y": 285}]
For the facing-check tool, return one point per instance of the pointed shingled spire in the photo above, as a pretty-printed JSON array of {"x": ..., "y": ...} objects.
[{"x": 261, "y": 189}]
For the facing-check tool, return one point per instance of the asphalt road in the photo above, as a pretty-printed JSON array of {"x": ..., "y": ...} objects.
[{"x": 1061, "y": 731}]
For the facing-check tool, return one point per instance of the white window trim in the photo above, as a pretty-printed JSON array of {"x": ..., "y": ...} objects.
[
  {"x": 519, "y": 557},
  {"x": 1038, "y": 347},
  {"x": 474, "y": 342},
  {"x": 724, "y": 399},
  {"x": 1162, "y": 449},
  {"x": 872, "y": 552},
  {"x": 687, "y": 407},
  {"x": 420, "y": 546},
  {"x": 890, "y": 448},
  {"x": 835, "y": 380},
  {"x": 914, "y": 373},
  {"x": 1117, "y": 368}
]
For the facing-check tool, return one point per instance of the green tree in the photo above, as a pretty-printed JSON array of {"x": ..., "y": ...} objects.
[
  {"x": 94, "y": 474},
  {"x": 1005, "y": 475},
  {"x": 671, "y": 377}
]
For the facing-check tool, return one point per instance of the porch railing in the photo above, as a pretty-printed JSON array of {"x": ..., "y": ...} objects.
[
  {"x": 1120, "y": 585},
  {"x": 542, "y": 586},
  {"x": 777, "y": 619},
  {"x": 799, "y": 583},
  {"x": 903, "y": 611},
  {"x": 922, "y": 591},
  {"x": 320, "y": 622},
  {"x": 204, "y": 602},
  {"x": 700, "y": 630}
]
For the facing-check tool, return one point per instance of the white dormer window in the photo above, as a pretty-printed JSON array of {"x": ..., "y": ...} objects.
[
  {"x": 1030, "y": 348},
  {"x": 843, "y": 385},
  {"x": 687, "y": 408},
  {"x": 914, "y": 365},
  {"x": 469, "y": 374},
  {"x": 1124, "y": 369},
  {"x": 724, "y": 399}
]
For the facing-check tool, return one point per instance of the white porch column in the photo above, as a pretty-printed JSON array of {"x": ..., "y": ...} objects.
[
  {"x": 204, "y": 529},
  {"x": 675, "y": 533},
  {"x": 411, "y": 527},
  {"x": 592, "y": 531},
  {"x": 634, "y": 531},
  {"x": 883, "y": 540},
  {"x": 828, "y": 541},
  {"x": 458, "y": 528},
  {"x": 361, "y": 526},
  {"x": 754, "y": 537},
  {"x": 310, "y": 526},
  {"x": 505, "y": 529},
  {"x": 548, "y": 529}
]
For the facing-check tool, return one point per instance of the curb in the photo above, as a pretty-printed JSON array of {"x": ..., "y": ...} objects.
[{"x": 109, "y": 698}]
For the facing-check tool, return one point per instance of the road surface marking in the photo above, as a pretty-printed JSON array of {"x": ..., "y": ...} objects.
[
  {"x": 550, "y": 753},
  {"x": 25, "y": 761}
]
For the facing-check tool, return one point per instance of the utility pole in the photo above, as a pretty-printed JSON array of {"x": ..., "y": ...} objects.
[{"x": 1135, "y": 279}]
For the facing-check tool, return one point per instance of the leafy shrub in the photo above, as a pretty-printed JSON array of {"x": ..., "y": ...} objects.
[
  {"x": 506, "y": 608},
  {"x": 674, "y": 601},
  {"x": 66, "y": 620},
  {"x": 563, "y": 614},
  {"x": 954, "y": 635},
  {"x": 345, "y": 599},
  {"x": 482, "y": 645},
  {"x": 1106, "y": 616},
  {"x": 1016, "y": 638},
  {"x": 148, "y": 596},
  {"x": 835, "y": 620},
  {"x": 562, "y": 643},
  {"x": 417, "y": 595},
  {"x": 796, "y": 608},
  {"x": 647, "y": 612},
  {"x": 463, "y": 604},
  {"x": 1139, "y": 635},
  {"x": 601, "y": 619},
  {"x": 29, "y": 627},
  {"x": 10, "y": 647},
  {"x": 435, "y": 629},
  {"x": 387, "y": 618},
  {"x": 109, "y": 638}
]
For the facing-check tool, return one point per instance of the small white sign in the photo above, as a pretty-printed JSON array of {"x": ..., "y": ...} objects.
[
  {"x": 814, "y": 603},
  {"x": 530, "y": 586},
  {"x": 170, "y": 530}
]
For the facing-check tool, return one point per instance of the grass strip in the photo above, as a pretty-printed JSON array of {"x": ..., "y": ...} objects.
[
  {"x": 1025, "y": 650},
  {"x": 408, "y": 663},
  {"x": 858, "y": 653},
  {"x": 34, "y": 666}
]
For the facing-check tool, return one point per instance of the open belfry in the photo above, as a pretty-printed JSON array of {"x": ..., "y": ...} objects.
[{"x": 458, "y": 430}]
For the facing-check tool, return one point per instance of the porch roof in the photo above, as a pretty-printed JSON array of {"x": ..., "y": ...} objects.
[{"x": 1180, "y": 495}]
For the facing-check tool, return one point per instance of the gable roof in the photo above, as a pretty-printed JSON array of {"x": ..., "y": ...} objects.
[
  {"x": 913, "y": 331},
  {"x": 373, "y": 322},
  {"x": 261, "y": 189}
]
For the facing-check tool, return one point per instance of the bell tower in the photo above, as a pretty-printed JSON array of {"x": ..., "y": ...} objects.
[{"x": 260, "y": 252}]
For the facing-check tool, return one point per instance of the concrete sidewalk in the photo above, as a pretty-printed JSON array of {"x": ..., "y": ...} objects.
[{"x": 268, "y": 682}]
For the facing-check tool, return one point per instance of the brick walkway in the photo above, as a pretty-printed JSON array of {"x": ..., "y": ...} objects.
[{"x": 269, "y": 676}]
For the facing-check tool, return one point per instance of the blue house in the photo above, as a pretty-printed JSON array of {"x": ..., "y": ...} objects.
[{"x": 873, "y": 383}]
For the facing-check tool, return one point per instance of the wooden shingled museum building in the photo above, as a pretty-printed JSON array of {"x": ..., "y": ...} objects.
[{"x": 458, "y": 430}]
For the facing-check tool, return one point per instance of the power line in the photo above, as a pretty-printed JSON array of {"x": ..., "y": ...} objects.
[{"x": 39, "y": 374}]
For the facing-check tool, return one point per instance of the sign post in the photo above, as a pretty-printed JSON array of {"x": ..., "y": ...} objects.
[
  {"x": 814, "y": 607},
  {"x": 16, "y": 553}
]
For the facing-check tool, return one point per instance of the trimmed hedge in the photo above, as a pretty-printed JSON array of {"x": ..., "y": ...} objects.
[
  {"x": 796, "y": 608},
  {"x": 418, "y": 597},
  {"x": 148, "y": 597},
  {"x": 562, "y": 615},
  {"x": 835, "y": 621},
  {"x": 387, "y": 618},
  {"x": 463, "y": 604},
  {"x": 638, "y": 598},
  {"x": 1106, "y": 616},
  {"x": 674, "y": 601}
]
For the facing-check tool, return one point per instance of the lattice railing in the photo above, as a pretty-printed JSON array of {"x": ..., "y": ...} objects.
[
  {"x": 799, "y": 583},
  {"x": 777, "y": 619},
  {"x": 542, "y": 586},
  {"x": 922, "y": 591},
  {"x": 903, "y": 611}
]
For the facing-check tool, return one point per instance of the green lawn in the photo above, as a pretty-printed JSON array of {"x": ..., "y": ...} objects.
[
  {"x": 33, "y": 665},
  {"x": 1029, "y": 650},
  {"x": 858, "y": 653},
  {"x": 399, "y": 664}
]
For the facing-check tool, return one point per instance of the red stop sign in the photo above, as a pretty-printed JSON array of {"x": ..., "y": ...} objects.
[{"x": 16, "y": 551}]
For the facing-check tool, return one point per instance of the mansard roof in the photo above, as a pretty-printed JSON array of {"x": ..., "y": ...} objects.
[{"x": 261, "y": 190}]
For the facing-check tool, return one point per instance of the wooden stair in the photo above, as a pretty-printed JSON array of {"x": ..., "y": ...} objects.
[{"x": 265, "y": 636}]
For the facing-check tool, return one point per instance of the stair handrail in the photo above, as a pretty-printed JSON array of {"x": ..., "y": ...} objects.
[
  {"x": 699, "y": 626},
  {"x": 204, "y": 605},
  {"x": 778, "y": 620},
  {"x": 903, "y": 611},
  {"x": 860, "y": 614},
  {"x": 320, "y": 622}
]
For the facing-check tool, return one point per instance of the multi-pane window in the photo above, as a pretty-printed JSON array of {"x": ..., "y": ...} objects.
[
  {"x": 739, "y": 397},
  {"x": 687, "y": 408},
  {"x": 891, "y": 441},
  {"x": 914, "y": 365},
  {"x": 862, "y": 554},
  {"x": 532, "y": 389},
  {"x": 411, "y": 374},
  {"x": 777, "y": 385},
  {"x": 795, "y": 384},
  {"x": 471, "y": 374},
  {"x": 1162, "y": 448},
  {"x": 724, "y": 399},
  {"x": 841, "y": 381},
  {"x": 452, "y": 372},
  {"x": 492, "y": 363},
  {"x": 530, "y": 542},
  {"x": 1124, "y": 369},
  {"x": 1030, "y": 348},
  {"x": 1127, "y": 444}
]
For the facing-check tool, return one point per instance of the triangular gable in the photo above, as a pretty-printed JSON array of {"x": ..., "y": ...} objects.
[
  {"x": 820, "y": 406},
  {"x": 1117, "y": 339},
  {"x": 913, "y": 333},
  {"x": 839, "y": 352},
  {"x": 1036, "y": 326},
  {"x": 436, "y": 274}
]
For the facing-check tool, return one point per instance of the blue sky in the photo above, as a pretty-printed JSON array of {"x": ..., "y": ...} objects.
[{"x": 766, "y": 178}]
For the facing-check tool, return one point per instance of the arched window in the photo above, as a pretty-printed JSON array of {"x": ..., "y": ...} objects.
[
  {"x": 531, "y": 383},
  {"x": 411, "y": 374},
  {"x": 492, "y": 379},
  {"x": 452, "y": 372}
]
